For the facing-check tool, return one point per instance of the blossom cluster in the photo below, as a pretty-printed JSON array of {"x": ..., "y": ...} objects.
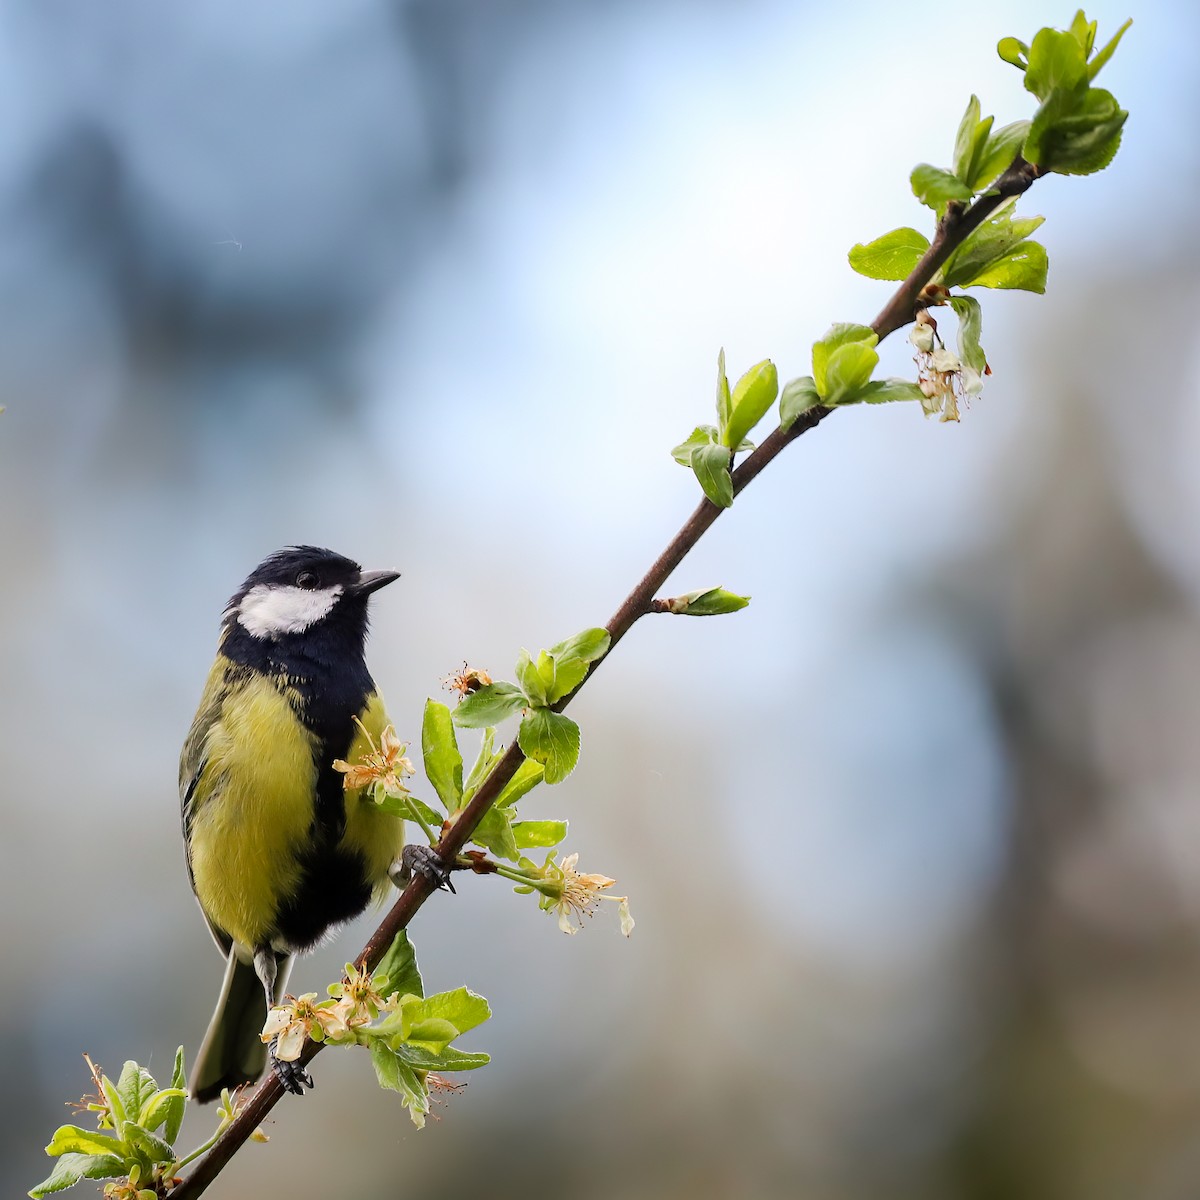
[
  {"x": 572, "y": 894},
  {"x": 357, "y": 1000},
  {"x": 944, "y": 379},
  {"x": 384, "y": 766}
]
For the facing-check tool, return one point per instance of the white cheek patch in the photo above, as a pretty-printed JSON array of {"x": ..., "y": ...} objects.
[{"x": 268, "y": 611}]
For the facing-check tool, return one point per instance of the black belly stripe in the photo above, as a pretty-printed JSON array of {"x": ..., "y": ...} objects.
[{"x": 333, "y": 889}]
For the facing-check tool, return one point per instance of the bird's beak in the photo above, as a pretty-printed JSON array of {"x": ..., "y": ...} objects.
[{"x": 372, "y": 581}]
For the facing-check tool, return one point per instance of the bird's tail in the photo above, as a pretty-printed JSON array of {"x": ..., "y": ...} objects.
[{"x": 232, "y": 1052}]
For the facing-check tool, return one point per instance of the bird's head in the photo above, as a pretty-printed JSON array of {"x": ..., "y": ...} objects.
[{"x": 299, "y": 588}]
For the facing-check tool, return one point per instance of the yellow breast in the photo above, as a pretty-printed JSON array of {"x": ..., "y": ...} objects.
[{"x": 253, "y": 810}]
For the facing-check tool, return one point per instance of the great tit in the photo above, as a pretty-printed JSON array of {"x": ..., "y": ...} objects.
[{"x": 278, "y": 851}]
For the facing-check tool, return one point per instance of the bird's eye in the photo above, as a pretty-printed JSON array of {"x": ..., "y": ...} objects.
[{"x": 306, "y": 579}]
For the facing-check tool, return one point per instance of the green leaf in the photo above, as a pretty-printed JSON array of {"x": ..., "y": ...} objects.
[
  {"x": 798, "y": 397},
  {"x": 572, "y": 659},
  {"x": 1076, "y": 134},
  {"x": 1108, "y": 51},
  {"x": 753, "y": 396},
  {"x": 435, "y": 1021},
  {"x": 178, "y": 1103},
  {"x": 567, "y": 677},
  {"x": 135, "y": 1086},
  {"x": 402, "y": 807},
  {"x": 73, "y": 1139},
  {"x": 848, "y": 370},
  {"x": 150, "y": 1145},
  {"x": 551, "y": 739},
  {"x": 528, "y": 834},
  {"x": 892, "y": 256},
  {"x": 461, "y": 1007},
  {"x": 547, "y": 670},
  {"x": 71, "y": 1168},
  {"x": 836, "y": 336},
  {"x": 980, "y": 155},
  {"x": 993, "y": 240},
  {"x": 1084, "y": 31},
  {"x": 1014, "y": 51},
  {"x": 443, "y": 762},
  {"x": 391, "y": 1070},
  {"x": 1023, "y": 267},
  {"x": 489, "y": 705},
  {"x": 587, "y": 646},
  {"x": 449, "y": 1059},
  {"x": 116, "y": 1105},
  {"x": 711, "y": 464},
  {"x": 399, "y": 964},
  {"x": 484, "y": 760},
  {"x": 531, "y": 679},
  {"x": 1001, "y": 149},
  {"x": 724, "y": 400},
  {"x": 970, "y": 145},
  {"x": 964, "y": 139},
  {"x": 706, "y": 602},
  {"x": 970, "y": 322},
  {"x": 1056, "y": 63},
  {"x": 494, "y": 833},
  {"x": 702, "y": 435},
  {"x": 935, "y": 187},
  {"x": 431, "y": 816},
  {"x": 527, "y": 776},
  {"x": 159, "y": 1107},
  {"x": 395, "y": 1075},
  {"x": 884, "y": 391},
  {"x": 978, "y": 149},
  {"x": 432, "y": 1034}
]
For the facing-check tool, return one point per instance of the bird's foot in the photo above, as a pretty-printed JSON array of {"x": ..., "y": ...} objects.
[
  {"x": 293, "y": 1077},
  {"x": 426, "y": 861}
]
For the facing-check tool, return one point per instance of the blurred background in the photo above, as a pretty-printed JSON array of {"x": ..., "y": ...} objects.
[{"x": 913, "y": 843}]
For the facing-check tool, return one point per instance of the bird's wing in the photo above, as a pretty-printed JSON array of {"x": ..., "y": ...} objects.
[{"x": 195, "y": 787}]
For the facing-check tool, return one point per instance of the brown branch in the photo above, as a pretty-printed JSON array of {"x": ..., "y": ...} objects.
[
  {"x": 899, "y": 310},
  {"x": 952, "y": 231}
]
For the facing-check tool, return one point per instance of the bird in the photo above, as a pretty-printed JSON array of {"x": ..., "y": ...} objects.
[{"x": 279, "y": 852}]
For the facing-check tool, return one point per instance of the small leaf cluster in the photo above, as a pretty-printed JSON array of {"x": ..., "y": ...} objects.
[
  {"x": 1077, "y": 128},
  {"x": 842, "y": 363},
  {"x": 981, "y": 156},
  {"x": 414, "y": 1038},
  {"x": 499, "y": 831},
  {"x": 407, "y": 1034},
  {"x": 138, "y": 1123},
  {"x": 709, "y": 449},
  {"x": 548, "y": 739},
  {"x": 996, "y": 255},
  {"x": 999, "y": 253}
]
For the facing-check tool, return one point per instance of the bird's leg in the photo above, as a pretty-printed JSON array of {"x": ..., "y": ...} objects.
[
  {"x": 291, "y": 1075},
  {"x": 426, "y": 861}
]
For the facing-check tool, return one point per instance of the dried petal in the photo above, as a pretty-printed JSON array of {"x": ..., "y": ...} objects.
[{"x": 291, "y": 1042}]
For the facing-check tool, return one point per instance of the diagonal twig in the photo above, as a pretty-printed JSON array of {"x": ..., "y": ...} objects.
[{"x": 952, "y": 231}]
